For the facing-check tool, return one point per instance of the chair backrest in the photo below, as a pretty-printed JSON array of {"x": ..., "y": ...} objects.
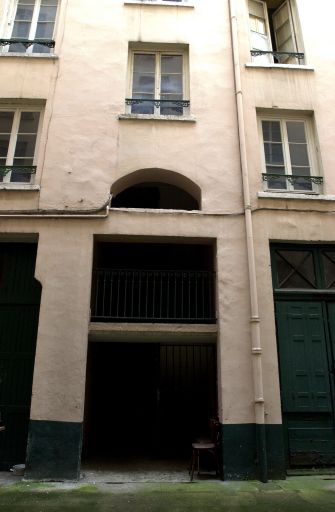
[{"x": 214, "y": 429}]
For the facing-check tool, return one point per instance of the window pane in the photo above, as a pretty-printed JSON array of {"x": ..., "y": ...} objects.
[
  {"x": 273, "y": 153},
  {"x": 39, "y": 48},
  {"x": 171, "y": 108},
  {"x": 276, "y": 182},
  {"x": 18, "y": 176},
  {"x": 49, "y": 2},
  {"x": 328, "y": 259},
  {"x": 2, "y": 162},
  {"x": 6, "y": 122},
  {"x": 271, "y": 131},
  {"x": 21, "y": 29},
  {"x": 24, "y": 12},
  {"x": 145, "y": 107},
  {"x": 47, "y": 13},
  {"x": 295, "y": 269},
  {"x": 284, "y": 35},
  {"x": 145, "y": 83},
  {"x": 4, "y": 143},
  {"x": 256, "y": 9},
  {"x": 45, "y": 30},
  {"x": 303, "y": 183},
  {"x": 144, "y": 63},
  {"x": 25, "y": 146},
  {"x": 172, "y": 84},
  {"x": 172, "y": 64},
  {"x": 29, "y": 122},
  {"x": 298, "y": 154},
  {"x": 296, "y": 131}
]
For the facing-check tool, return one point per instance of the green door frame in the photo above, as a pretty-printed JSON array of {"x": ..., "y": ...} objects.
[{"x": 319, "y": 294}]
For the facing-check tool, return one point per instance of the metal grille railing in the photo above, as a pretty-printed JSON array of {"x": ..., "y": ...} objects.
[{"x": 153, "y": 296}]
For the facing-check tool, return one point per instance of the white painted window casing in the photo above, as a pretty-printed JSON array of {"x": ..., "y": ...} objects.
[
  {"x": 19, "y": 135},
  {"x": 188, "y": 3},
  {"x": 31, "y": 20},
  {"x": 278, "y": 28},
  {"x": 158, "y": 75},
  {"x": 288, "y": 148}
]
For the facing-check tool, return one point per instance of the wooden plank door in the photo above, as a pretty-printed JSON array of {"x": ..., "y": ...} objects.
[
  {"x": 19, "y": 312},
  {"x": 306, "y": 388}
]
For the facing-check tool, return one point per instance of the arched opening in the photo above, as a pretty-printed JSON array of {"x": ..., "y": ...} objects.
[
  {"x": 156, "y": 189},
  {"x": 155, "y": 195}
]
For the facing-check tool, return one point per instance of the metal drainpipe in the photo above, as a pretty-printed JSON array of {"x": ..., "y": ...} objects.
[{"x": 254, "y": 318}]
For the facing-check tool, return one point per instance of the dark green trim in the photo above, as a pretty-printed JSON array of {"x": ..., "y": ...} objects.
[
  {"x": 262, "y": 453},
  {"x": 240, "y": 453},
  {"x": 54, "y": 450}
]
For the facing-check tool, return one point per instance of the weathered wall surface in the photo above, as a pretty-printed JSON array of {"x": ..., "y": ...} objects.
[{"x": 85, "y": 148}]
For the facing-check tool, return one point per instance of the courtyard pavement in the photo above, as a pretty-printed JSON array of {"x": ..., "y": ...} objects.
[{"x": 295, "y": 494}]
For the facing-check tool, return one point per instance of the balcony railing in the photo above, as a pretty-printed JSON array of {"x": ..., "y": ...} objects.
[
  {"x": 48, "y": 43},
  {"x": 18, "y": 173},
  {"x": 292, "y": 182},
  {"x": 280, "y": 57},
  {"x": 166, "y": 107},
  {"x": 153, "y": 296}
]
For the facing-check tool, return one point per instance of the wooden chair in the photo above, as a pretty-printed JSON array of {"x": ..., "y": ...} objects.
[{"x": 206, "y": 446}]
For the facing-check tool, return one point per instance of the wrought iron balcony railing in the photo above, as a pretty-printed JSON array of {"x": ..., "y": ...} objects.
[
  {"x": 153, "y": 296},
  {"x": 279, "y": 57},
  {"x": 177, "y": 106},
  {"x": 289, "y": 181},
  {"x": 25, "y": 170},
  {"x": 48, "y": 43}
]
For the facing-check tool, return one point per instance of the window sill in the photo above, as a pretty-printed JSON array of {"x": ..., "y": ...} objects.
[
  {"x": 272, "y": 65},
  {"x": 28, "y": 187},
  {"x": 150, "y": 117},
  {"x": 49, "y": 56},
  {"x": 187, "y": 3},
  {"x": 289, "y": 195}
]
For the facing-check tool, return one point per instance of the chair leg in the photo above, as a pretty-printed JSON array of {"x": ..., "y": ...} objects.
[{"x": 192, "y": 465}]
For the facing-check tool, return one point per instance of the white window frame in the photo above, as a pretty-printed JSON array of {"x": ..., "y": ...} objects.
[
  {"x": 13, "y": 139},
  {"x": 158, "y": 52},
  {"x": 312, "y": 151},
  {"x": 182, "y": 3},
  {"x": 268, "y": 58},
  {"x": 7, "y": 30}
]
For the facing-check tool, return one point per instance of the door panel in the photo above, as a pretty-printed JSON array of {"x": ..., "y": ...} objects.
[
  {"x": 19, "y": 312},
  {"x": 306, "y": 388},
  {"x": 303, "y": 357}
]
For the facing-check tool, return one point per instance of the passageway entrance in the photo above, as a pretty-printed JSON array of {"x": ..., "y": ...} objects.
[
  {"x": 147, "y": 399},
  {"x": 19, "y": 313}
]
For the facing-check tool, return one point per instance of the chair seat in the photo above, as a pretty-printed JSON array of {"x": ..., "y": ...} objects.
[{"x": 203, "y": 446}]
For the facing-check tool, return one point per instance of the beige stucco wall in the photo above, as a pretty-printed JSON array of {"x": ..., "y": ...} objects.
[{"x": 85, "y": 148}]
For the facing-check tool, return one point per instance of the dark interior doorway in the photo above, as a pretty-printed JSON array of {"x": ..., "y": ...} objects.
[{"x": 147, "y": 399}]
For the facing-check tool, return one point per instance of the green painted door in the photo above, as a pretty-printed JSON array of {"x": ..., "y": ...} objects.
[
  {"x": 19, "y": 311},
  {"x": 306, "y": 333}
]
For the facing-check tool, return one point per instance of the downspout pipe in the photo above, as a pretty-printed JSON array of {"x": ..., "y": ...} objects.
[{"x": 256, "y": 347}]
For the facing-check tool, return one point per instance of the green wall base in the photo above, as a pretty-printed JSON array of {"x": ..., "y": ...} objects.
[
  {"x": 53, "y": 450},
  {"x": 240, "y": 454}
]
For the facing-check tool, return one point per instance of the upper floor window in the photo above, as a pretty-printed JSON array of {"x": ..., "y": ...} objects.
[
  {"x": 289, "y": 156},
  {"x": 32, "y": 28},
  {"x": 161, "y": 2},
  {"x": 158, "y": 83},
  {"x": 19, "y": 130},
  {"x": 273, "y": 33}
]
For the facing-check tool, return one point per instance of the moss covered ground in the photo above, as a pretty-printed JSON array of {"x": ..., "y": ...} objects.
[{"x": 296, "y": 494}]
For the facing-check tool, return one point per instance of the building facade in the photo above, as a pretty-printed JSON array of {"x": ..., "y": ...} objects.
[{"x": 167, "y": 232}]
